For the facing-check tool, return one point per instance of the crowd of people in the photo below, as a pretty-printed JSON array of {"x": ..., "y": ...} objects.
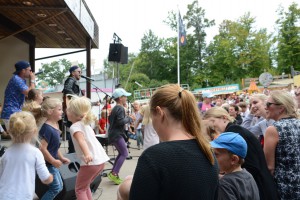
[{"x": 241, "y": 147}]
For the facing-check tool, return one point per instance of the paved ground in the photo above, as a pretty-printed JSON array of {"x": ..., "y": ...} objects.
[{"x": 107, "y": 190}]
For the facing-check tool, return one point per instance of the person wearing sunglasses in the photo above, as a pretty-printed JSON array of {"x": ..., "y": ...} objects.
[
  {"x": 71, "y": 87},
  {"x": 17, "y": 89},
  {"x": 282, "y": 147},
  {"x": 219, "y": 120},
  {"x": 257, "y": 111}
]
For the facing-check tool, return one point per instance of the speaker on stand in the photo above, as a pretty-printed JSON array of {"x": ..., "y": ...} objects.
[{"x": 68, "y": 174}]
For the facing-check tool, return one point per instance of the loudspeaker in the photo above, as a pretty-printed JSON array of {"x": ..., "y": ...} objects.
[
  {"x": 68, "y": 174},
  {"x": 115, "y": 51},
  {"x": 124, "y": 55},
  {"x": 118, "y": 53}
]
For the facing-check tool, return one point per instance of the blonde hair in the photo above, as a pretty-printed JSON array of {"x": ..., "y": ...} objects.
[
  {"x": 285, "y": 99},
  {"x": 49, "y": 104},
  {"x": 34, "y": 108},
  {"x": 261, "y": 97},
  {"x": 145, "y": 111},
  {"x": 182, "y": 106},
  {"x": 81, "y": 107},
  {"x": 218, "y": 112},
  {"x": 22, "y": 127}
]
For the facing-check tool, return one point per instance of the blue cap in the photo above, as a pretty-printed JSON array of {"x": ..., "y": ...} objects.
[
  {"x": 73, "y": 68},
  {"x": 21, "y": 65},
  {"x": 119, "y": 92},
  {"x": 233, "y": 142}
]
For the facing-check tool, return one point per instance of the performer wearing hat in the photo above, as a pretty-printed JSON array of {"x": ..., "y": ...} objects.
[
  {"x": 71, "y": 86},
  {"x": 17, "y": 89}
]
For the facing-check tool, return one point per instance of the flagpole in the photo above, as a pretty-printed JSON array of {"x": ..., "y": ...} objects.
[{"x": 178, "y": 57}]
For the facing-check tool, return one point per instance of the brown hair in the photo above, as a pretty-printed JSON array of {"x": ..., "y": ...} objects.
[{"x": 182, "y": 106}]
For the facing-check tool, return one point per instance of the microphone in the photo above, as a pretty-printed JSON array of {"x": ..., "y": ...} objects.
[
  {"x": 40, "y": 72},
  {"x": 87, "y": 78}
]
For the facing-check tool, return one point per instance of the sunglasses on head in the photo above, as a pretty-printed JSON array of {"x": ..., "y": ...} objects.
[{"x": 268, "y": 104}]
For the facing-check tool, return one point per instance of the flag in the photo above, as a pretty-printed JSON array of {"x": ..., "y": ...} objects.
[{"x": 181, "y": 32}]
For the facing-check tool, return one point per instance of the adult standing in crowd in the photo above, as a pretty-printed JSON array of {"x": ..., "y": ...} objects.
[
  {"x": 206, "y": 104},
  {"x": 255, "y": 163},
  {"x": 182, "y": 166},
  {"x": 16, "y": 90},
  {"x": 282, "y": 148},
  {"x": 71, "y": 87}
]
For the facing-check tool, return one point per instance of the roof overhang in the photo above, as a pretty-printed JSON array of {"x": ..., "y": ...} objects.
[{"x": 49, "y": 23}]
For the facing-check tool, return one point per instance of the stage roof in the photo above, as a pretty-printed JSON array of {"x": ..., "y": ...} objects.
[{"x": 49, "y": 23}]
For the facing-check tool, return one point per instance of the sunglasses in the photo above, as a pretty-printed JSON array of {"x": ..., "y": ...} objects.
[{"x": 268, "y": 104}]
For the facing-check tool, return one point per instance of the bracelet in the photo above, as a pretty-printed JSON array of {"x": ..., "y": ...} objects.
[{"x": 32, "y": 82}]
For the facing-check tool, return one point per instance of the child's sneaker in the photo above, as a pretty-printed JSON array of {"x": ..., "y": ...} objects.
[{"x": 115, "y": 178}]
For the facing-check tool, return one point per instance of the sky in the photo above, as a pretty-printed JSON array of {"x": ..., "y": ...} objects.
[{"x": 131, "y": 19}]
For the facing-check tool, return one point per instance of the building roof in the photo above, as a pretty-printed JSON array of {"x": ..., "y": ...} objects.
[{"x": 49, "y": 23}]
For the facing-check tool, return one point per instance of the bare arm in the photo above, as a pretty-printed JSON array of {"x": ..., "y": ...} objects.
[
  {"x": 48, "y": 157},
  {"x": 62, "y": 158},
  {"x": 31, "y": 84},
  {"x": 270, "y": 143}
]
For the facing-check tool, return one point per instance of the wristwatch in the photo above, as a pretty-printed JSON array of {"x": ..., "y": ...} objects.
[{"x": 32, "y": 82}]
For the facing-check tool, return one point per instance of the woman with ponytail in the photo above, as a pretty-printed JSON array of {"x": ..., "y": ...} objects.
[{"x": 182, "y": 165}]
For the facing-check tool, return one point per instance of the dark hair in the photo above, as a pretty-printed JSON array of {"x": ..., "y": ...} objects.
[{"x": 32, "y": 94}]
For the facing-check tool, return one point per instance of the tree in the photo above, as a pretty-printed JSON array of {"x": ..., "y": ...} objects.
[
  {"x": 238, "y": 51},
  {"x": 56, "y": 71},
  {"x": 288, "y": 39}
]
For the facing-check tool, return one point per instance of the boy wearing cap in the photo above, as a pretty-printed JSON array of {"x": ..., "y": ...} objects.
[
  {"x": 117, "y": 121},
  {"x": 235, "y": 183},
  {"x": 16, "y": 90}
]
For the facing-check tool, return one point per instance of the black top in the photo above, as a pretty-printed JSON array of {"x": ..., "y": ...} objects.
[
  {"x": 238, "y": 185},
  {"x": 71, "y": 86},
  {"x": 117, "y": 120},
  {"x": 174, "y": 170},
  {"x": 255, "y": 163}
]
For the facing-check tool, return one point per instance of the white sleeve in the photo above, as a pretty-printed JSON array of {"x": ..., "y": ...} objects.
[{"x": 40, "y": 166}]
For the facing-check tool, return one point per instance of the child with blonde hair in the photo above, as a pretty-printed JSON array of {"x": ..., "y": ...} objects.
[
  {"x": 150, "y": 136},
  {"x": 33, "y": 104},
  {"x": 87, "y": 147},
  {"x": 50, "y": 143},
  {"x": 21, "y": 161}
]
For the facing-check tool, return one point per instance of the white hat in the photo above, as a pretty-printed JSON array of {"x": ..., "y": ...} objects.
[
  {"x": 207, "y": 94},
  {"x": 119, "y": 92}
]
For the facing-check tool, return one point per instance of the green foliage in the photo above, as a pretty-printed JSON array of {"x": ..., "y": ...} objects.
[
  {"x": 56, "y": 71},
  {"x": 288, "y": 50},
  {"x": 238, "y": 51}
]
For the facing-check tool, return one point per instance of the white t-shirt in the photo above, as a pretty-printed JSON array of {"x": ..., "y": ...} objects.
[
  {"x": 150, "y": 136},
  {"x": 18, "y": 167},
  {"x": 95, "y": 148}
]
